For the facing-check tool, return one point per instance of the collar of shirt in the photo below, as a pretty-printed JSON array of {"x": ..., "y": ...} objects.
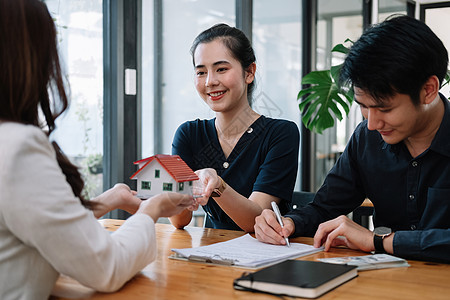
[
  {"x": 252, "y": 132},
  {"x": 441, "y": 142}
]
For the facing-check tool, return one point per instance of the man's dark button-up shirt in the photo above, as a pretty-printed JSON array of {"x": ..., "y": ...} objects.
[{"x": 410, "y": 195}]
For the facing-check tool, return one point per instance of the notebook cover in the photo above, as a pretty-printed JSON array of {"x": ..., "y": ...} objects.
[{"x": 298, "y": 278}]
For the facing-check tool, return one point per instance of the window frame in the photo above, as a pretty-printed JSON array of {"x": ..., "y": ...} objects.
[
  {"x": 121, "y": 118},
  {"x": 147, "y": 183},
  {"x": 167, "y": 186}
]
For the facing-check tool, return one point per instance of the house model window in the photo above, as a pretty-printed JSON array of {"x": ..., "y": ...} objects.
[
  {"x": 146, "y": 185},
  {"x": 167, "y": 186},
  {"x": 162, "y": 173}
]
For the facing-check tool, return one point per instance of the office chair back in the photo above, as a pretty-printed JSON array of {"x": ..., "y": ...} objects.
[
  {"x": 207, "y": 222},
  {"x": 299, "y": 199}
]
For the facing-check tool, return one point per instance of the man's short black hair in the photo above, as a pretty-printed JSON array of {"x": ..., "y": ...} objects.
[{"x": 395, "y": 56}]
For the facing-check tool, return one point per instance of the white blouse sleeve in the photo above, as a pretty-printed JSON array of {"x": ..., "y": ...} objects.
[{"x": 45, "y": 215}]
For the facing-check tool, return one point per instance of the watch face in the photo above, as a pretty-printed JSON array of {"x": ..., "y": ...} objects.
[{"x": 382, "y": 230}]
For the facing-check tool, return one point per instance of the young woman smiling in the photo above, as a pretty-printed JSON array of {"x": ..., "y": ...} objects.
[{"x": 246, "y": 159}]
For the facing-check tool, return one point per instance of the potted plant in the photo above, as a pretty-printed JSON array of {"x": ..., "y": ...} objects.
[{"x": 95, "y": 163}]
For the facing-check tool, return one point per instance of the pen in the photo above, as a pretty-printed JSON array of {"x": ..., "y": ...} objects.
[{"x": 278, "y": 214}]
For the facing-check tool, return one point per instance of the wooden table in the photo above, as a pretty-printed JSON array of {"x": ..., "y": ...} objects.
[{"x": 174, "y": 279}]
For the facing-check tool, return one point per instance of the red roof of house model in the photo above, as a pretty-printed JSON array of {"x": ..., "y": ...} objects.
[{"x": 173, "y": 164}]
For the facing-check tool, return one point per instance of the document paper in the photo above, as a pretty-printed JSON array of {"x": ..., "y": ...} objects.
[
  {"x": 369, "y": 262},
  {"x": 246, "y": 252}
]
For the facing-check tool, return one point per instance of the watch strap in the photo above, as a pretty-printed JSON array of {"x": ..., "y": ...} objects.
[
  {"x": 378, "y": 243},
  {"x": 218, "y": 191}
]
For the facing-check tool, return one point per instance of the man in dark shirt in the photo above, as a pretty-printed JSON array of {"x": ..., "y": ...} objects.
[{"x": 398, "y": 157}]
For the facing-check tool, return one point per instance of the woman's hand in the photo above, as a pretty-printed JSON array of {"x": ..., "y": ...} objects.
[
  {"x": 118, "y": 197},
  {"x": 166, "y": 205},
  {"x": 208, "y": 181},
  {"x": 193, "y": 207},
  {"x": 268, "y": 230}
]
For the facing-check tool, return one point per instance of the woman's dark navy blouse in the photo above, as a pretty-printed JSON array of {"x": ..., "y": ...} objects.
[{"x": 265, "y": 159}]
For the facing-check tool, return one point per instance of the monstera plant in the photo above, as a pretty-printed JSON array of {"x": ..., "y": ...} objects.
[{"x": 324, "y": 100}]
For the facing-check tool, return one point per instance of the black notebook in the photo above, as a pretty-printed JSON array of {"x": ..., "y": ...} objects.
[{"x": 298, "y": 278}]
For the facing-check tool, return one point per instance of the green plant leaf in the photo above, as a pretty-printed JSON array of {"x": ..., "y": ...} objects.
[
  {"x": 340, "y": 48},
  {"x": 446, "y": 79},
  {"x": 322, "y": 101},
  {"x": 334, "y": 71}
]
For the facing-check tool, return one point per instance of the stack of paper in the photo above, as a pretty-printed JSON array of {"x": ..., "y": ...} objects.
[
  {"x": 245, "y": 251},
  {"x": 369, "y": 262}
]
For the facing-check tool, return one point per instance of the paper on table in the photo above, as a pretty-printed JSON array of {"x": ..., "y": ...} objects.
[
  {"x": 369, "y": 262},
  {"x": 245, "y": 251}
]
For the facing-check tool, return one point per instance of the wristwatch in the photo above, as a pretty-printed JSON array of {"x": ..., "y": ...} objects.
[
  {"x": 378, "y": 236},
  {"x": 218, "y": 191}
]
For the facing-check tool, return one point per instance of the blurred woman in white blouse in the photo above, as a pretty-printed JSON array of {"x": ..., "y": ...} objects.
[{"x": 46, "y": 226}]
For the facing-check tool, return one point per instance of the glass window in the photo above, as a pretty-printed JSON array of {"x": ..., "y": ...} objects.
[
  {"x": 167, "y": 186},
  {"x": 337, "y": 21},
  {"x": 80, "y": 130},
  {"x": 157, "y": 173},
  {"x": 387, "y": 8},
  {"x": 181, "y": 186},
  {"x": 437, "y": 19},
  {"x": 146, "y": 185},
  {"x": 277, "y": 44},
  {"x": 147, "y": 88},
  {"x": 183, "y": 20}
]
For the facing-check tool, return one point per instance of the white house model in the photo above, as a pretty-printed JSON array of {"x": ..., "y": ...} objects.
[{"x": 163, "y": 173}]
